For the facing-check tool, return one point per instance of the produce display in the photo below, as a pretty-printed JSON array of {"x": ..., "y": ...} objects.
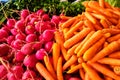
[{"x": 38, "y": 46}]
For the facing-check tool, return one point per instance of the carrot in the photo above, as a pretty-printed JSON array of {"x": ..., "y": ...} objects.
[
  {"x": 90, "y": 17},
  {"x": 98, "y": 16},
  {"x": 73, "y": 29},
  {"x": 63, "y": 17},
  {"x": 83, "y": 41},
  {"x": 49, "y": 66},
  {"x": 107, "y": 5},
  {"x": 107, "y": 35},
  {"x": 110, "y": 61},
  {"x": 75, "y": 68},
  {"x": 69, "y": 22},
  {"x": 80, "y": 59},
  {"x": 43, "y": 71},
  {"x": 104, "y": 70},
  {"x": 93, "y": 39},
  {"x": 56, "y": 54},
  {"x": 69, "y": 62},
  {"x": 59, "y": 69},
  {"x": 76, "y": 38},
  {"x": 115, "y": 54},
  {"x": 89, "y": 24},
  {"x": 98, "y": 27},
  {"x": 113, "y": 38},
  {"x": 113, "y": 20},
  {"x": 107, "y": 78},
  {"x": 91, "y": 72},
  {"x": 116, "y": 69},
  {"x": 85, "y": 3},
  {"x": 113, "y": 46},
  {"x": 105, "y": 44},
  {"x": 87, "y": 77},
  {"x": 111, "y": 31},
  {"x": 82, "y": 73},
  {"x": 71, "y": 50},
  {"x": 93, "y": 49},
  {"x": 101, "y": 3},
  {"x": 64, "y": 52},
  {"x": 104, "y": 23}
]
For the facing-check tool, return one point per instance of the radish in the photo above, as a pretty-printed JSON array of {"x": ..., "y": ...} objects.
[
  {"x": 74, "y": 78},
  {"x": 17, "y": 44},
  {"x": 33, "y": 21},
  {"x": 6, "y": 28},
  {"x": 28, "y": 74},
  {"x": 30, "y": 29},
  {"x": 45, "y": 17},
  {"x": 48, "y": 35},
  {"x": 24, "y": 13},
  {"x": 3, "y": 34},
  {"x": 14, "y": 31},
  {"x": 20, "y": 36},
  {"x": 20, "y": 25},
  {"x": 11, "y": 76},
  {"x": 40, "y": 12},
  {"x": 18, "y": 71},
  {"x": 48, "y": 46},
  {"x": 31, "y": 38},
  {"x": 55, "y": 19},
  {"x": 37, "y": 45},
  {"x": 10, "y": 23},
  {"x": 19, "y": 56},
  {"x": 4, "y": 49},
  {"x": 40, "y": 54},
  {"x": 3, "y": 71},
  {"x": 30, "y": 61},
  {"x": 10, "y": 39},
  {"x": 27, "y": 48}
]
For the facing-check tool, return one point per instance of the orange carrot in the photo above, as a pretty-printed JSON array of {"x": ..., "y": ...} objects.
[
  {"x": 55, "y": 54},
  {"x": 107, "y": 35},
  {"x": 76, "y": 38},
  {"x": 91, "y": 18},
  {"x": 116, "y": 69},
  {"x": 73, "y": 29},
  {"x": 63, "y": 17},
  {"x": 98, "y": 16},
  {"x": 85, "y": 3},
  {"x": 98, "y": 27},
  {"x": 69, "y": 62},
  {"x": 111, "y": 31},
  {"x": 101, "y": 3},
  {"x": 107, "y": 78},
  {"x": 113, "y": 38},
  {"x": 82, "y": 73},
  {"x": 49, "y": 66},
  {"x": 104, "y": 23},
  {"x": 83, "y": 41},
  {"x": 89, "y": 24},
  {"x": 80, "y": 59},
  {"x": 69, "y": 22},
  {"x": 71, "y": 50},
  {"x": 113, "y": 20},
  {"x": 110, "y": 61},
  {"x": 43, "y": 71},
  {"x": 91, "y": 72},
  {"x": 107, "y": 5},
  {"x": 105, "y": 44},
  {"x": 113, "y": 46},
  {"x": 64, "y": 51},
  {"x": 59, "y": 69},
  {"x": 115, "y": 54},
  {"x": 93, "y": 39},
  {"x": 104, "y": 70},
  {"x": 87, "y": 77},
  {"x": 93, "y": 49},
  {"x": 75, "y": 68}
]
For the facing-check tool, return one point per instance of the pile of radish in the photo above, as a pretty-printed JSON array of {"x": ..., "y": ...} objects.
[{"x": 24, "y": 42}]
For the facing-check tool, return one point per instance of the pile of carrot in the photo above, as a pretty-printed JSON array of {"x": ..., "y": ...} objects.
[{"x": 88, "y": 43}]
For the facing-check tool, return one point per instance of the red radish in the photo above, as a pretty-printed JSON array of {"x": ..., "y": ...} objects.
[
  {"x": 33, "y": 21},
  {"x": 45, "y": 17},
  {"x": 48, "y": 35},
  {"x": 6, "y": 28},
  {"x": 27, "y": 48},
  {"x": 10, "y": 23},
  {"x": 55, "y": 19},
  {"x": 14, "y": 31},
  {"x": 19, "y": 56},
  {"x": 48, "y": 46},
  {"x": 30, "y": 29},
  {"x": 24, "y": 13},
  {"x": 40, "y": 12},
  {"x": 29, "y": 17},
  {"x": 3, "y": 71},
  {"x": 4, "y": 49},
  {"x": 28, "y": 74},
  {"x": 11, "y": 76},
  {"x": 74, "y": 78},
  {"x": 18, "y": 44},
  {"x": 3, "y": 34},
  {"x": 20, "y": 25},
  {"x": 40, "y": 54},
  {"x": 20, "y": 36},
  {"x": 31, "y": 38},
  {"x": 67, "y": 76},
  {"x": 10, "y": 39},
  {"x": 41, "y": 39},
  {"x": 37, "y": 45},
  {"x": 30, "y": 61},
  {"x": 18, "y": 71}
]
